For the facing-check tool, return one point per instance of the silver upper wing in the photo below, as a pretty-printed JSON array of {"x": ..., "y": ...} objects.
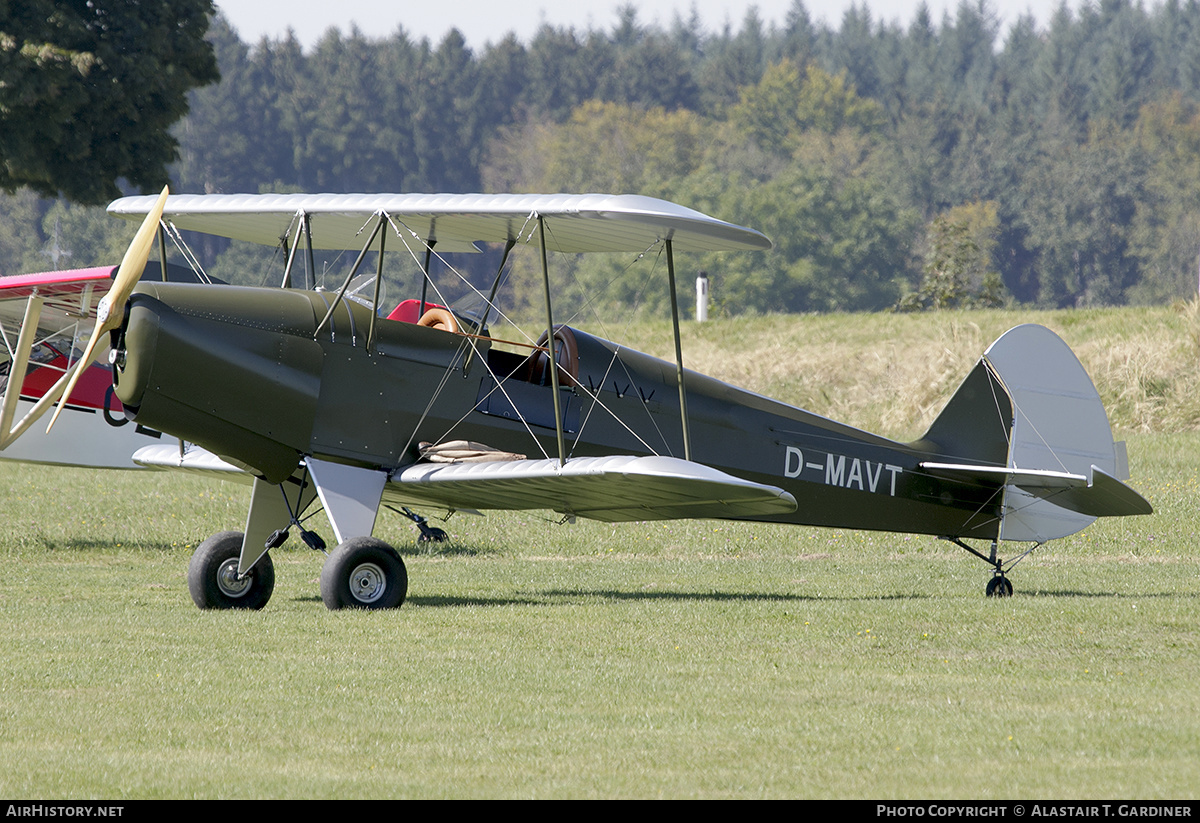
[{"x": 575, "y": 223}]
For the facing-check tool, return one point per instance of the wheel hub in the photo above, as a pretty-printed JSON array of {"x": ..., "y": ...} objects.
[
  {"x": 228, "y": 581},
  {"x": 367, "y": 583}
]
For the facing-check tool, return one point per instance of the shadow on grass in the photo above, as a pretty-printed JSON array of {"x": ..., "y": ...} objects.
[
  {"x": 449, "y": 548},
  {"x": 92, "y": 545},
  {"x": 447, "y": 601},
  {"x": 1123, "y": 595},
  {"x": 562, "y": 597},
  {"x": 442, "y": 602},
  {"x": 565, "y": 597}
]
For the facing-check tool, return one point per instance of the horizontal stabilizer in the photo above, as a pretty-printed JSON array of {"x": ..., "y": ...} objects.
[
  {"x": 1100, "y": 496},
  {"x": 610, "y": 489},
  {"x": 1105, "y": 496}
]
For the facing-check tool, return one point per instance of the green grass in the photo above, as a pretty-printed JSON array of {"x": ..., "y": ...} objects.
[
  {"x": 689, "y": 659},
  {"x": 535, "y": 660}
]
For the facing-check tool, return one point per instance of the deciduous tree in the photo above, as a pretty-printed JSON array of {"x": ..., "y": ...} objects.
[{"x": 89, "y": 91}]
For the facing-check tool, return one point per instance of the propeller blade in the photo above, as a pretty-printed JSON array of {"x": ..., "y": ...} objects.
[
  {"x": 111, "y": 308},
  {"x": 80, "y": 365}
]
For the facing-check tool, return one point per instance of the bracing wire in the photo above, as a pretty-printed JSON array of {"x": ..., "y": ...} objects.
[
  {"x": 595, "y": 396},
  {"x": 188, "y": 255},
  {"x": 467, "y": 340},
  {"x": 405, "y": 233}
]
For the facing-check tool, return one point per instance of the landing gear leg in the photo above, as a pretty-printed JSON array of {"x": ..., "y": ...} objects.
[{"x": 999, "y": 585}]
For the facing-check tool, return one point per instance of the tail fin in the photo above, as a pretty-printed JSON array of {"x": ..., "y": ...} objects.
[{"x": 1028, "y": 416}]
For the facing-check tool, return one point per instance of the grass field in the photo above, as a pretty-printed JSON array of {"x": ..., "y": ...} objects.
[{"x": 697, "y": 659}]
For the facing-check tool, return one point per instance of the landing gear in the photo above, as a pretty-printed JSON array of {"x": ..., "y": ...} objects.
[
  {"x": 364, "y": 573},
  {"x": 432, "y": 534},
  {"x": 429, "y": 534},
  {"x": 213, "y": 578},
  {"x": 999, "y": 586}
]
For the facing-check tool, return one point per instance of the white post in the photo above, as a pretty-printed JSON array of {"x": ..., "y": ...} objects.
[{"x": 702, "y": 297}]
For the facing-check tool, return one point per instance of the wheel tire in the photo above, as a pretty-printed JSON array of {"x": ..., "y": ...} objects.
[
  {"x": 364, "y": 573},
  {"x": 999, "y": 586},
  {"x": 434, "y": 535},
  {"x": 212, "y": 575}
]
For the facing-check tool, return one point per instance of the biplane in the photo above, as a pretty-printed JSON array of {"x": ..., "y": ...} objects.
[{"x": 330, "y": 399}]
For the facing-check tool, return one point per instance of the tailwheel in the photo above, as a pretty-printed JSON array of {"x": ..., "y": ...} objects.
[
  {"x": 213, "y": 578},
  {"x": 364, "y": 573},
  {"x": 999, "y": 586},
  {"x": 432, "y": 534},
  {"x": 429, "y": 534}
]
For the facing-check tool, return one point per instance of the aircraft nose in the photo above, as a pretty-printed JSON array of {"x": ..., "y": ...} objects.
[
  {"x": 230, "y": 368},
  {"x": 133, "y": 346}
]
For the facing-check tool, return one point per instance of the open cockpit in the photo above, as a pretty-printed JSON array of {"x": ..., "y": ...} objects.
[{"x": 531, "y": 366}]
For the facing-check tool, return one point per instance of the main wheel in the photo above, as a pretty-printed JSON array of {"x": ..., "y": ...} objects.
[
  {"x": 213, "y": 579},
  {"x": 999, "y": 586},
  {"x": 364, "y": 573}
]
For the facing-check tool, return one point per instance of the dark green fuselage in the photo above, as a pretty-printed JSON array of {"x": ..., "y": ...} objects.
[{"x": 244, "y": 373}]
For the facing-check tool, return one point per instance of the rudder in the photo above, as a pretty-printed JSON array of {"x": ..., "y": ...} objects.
[{"x": 1029, "y": 415}]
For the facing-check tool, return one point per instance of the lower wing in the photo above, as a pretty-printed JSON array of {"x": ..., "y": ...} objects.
[{"x": 611, "y": 489}]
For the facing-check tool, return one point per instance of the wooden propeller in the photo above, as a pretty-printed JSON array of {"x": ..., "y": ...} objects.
[{"x": 111, "y": 308}]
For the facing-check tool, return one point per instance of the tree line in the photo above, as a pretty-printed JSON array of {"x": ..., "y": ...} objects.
[{"x": 920, "y": 164}]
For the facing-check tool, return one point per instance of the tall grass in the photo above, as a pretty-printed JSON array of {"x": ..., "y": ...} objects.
[{"x": 892, "y": 373}]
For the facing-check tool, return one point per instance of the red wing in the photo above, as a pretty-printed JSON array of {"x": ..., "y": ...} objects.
[
  {"x": 68, "y": 309},
  {"x": 53, "y": 283},
  {"x": 69, "y": 296}
]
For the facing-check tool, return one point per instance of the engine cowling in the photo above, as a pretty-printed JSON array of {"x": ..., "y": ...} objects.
[{"x": 235, "y": 370}]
